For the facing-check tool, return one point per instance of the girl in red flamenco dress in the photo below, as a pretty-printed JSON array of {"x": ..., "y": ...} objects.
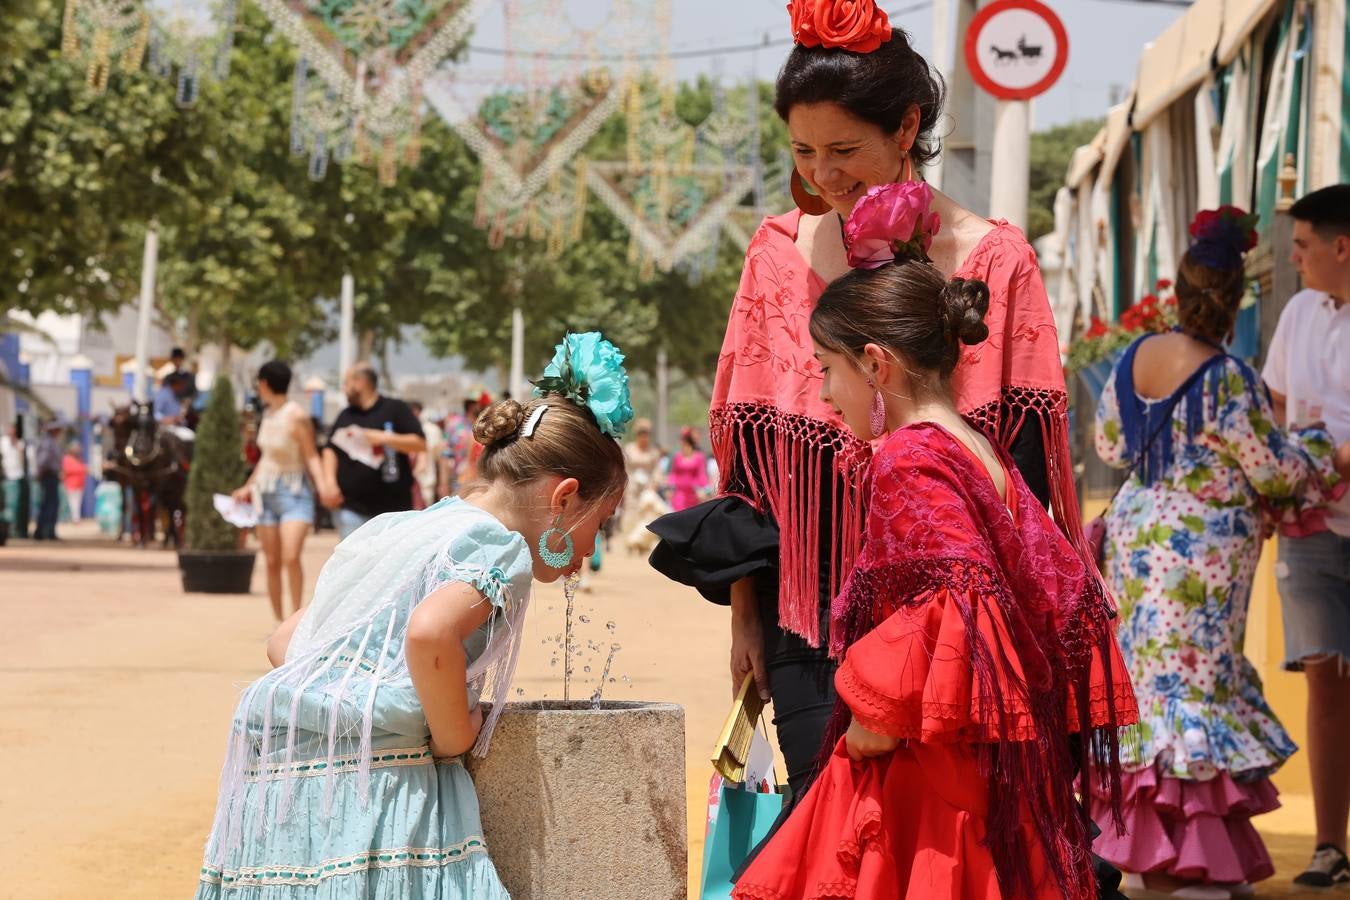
[{"x": 980, "y": 670}]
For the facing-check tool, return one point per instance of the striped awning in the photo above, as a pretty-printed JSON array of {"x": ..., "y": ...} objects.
[
  {"x": 1179, "y": 60},
  {"x": 1240, "y": 19}
]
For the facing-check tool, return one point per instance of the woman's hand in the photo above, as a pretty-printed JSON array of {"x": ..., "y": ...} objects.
[
  {"x": 747, "y": 639},
  {"x": 243, "y": 495},
  {"x": 863, "y": 744},
  {"x": 1343, "y": 460},
  {"x": 456, "y": 745}
]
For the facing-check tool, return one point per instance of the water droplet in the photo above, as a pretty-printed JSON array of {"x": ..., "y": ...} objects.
[
  {"x": 627, "y": 680},
  {"x": 611, "y": 680},
  {"x": 611, "y": 626},
  {"x": 553, "y": 661},
  {"x": 584, "y": 620},
  {"x": 586, "y": 669},
  {"x": 520, "y": 692},
  {"x": 616, "y": 647}
]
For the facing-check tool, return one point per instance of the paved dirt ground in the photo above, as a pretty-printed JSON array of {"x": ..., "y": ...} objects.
[{"x": 116, "y": 688}]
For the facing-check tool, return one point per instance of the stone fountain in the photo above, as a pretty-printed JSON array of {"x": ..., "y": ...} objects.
[{"x": 585, "y": 799}]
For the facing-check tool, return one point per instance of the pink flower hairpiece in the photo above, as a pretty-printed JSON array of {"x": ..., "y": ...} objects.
[{"x": 890, "y": 222}]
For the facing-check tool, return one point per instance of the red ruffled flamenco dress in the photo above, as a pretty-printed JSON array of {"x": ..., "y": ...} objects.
[{"x": 978, "y": 637}]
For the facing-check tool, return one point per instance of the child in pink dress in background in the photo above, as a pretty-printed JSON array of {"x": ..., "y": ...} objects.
[{"x": 688, "y": 477}]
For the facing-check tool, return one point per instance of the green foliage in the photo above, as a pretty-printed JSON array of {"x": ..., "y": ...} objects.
[
  {"x": 249, "y": 245},
  {"x": 593, "y": 285},
  {"x": 217, "y": 468},
  {"x": 1051, "y": 151}
]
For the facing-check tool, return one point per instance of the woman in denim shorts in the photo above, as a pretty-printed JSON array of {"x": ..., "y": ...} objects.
[{"x": 279, "y": 487}]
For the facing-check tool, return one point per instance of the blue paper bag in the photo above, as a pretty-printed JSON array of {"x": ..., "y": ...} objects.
[{"x": 742, "y": 820}]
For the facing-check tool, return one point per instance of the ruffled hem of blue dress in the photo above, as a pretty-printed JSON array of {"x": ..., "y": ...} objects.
[
  {"x": 414, "y": 834},
  {"x": 468, "y": 877},
  {"x": 1196, "y": 741}
]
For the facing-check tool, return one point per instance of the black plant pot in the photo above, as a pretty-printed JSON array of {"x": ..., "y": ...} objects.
[
  {"x": 4, "y": 532},
  {"x": 216, "y": 571}
]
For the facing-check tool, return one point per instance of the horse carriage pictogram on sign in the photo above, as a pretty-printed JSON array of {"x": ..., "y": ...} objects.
[{"x": 1016, "y": 49}]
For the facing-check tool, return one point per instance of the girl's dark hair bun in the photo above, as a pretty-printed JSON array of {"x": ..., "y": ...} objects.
[
  {"x": 499, "y": 422},
  {"x": 964, "y": 304}
]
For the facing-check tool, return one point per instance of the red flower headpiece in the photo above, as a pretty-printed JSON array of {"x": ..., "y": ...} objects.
[
  {"x": 1220, "y": 236},
  {"x": 855, "y": 25}
]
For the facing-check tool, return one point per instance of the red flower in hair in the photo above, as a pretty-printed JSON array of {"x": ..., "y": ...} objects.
[{"x": 856, "y": 25}]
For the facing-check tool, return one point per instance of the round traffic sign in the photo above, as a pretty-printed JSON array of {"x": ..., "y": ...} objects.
[{"x": 1016, "y": 49}]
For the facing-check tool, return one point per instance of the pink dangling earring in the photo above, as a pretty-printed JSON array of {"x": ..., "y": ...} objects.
[{"x": 878, "y": 420}]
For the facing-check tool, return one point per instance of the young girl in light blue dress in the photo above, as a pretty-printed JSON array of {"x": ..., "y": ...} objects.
[{"x": 342, "y": 776}]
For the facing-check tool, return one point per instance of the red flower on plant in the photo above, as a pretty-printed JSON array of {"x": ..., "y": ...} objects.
[
  {"x": 1162, "y": 285},
  {"x": 856, "y": 25},
  {"x": 1097, "y": 328}
]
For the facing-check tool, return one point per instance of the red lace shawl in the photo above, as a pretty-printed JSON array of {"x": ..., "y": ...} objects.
[
  {"x": 971, "y": 620},
  {"x": 773, "y": 437}
]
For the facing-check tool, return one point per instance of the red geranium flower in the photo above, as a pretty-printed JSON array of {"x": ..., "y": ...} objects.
[{"x": 1097, "y": 328}]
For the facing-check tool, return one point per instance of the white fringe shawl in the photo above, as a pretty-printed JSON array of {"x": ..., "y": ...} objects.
[{"x": 362, "y": 603}]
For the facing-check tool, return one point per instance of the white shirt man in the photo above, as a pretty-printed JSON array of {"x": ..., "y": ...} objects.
[{"x": 1308, "y": 372}]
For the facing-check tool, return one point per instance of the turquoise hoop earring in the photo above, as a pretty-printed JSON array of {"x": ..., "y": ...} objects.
[{"x": 553, "y": 558}]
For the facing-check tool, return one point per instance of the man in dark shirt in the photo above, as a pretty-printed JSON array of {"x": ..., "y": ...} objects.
[
  {"x": 49, "y": 477},
  {"x": 357, "y": 492}
]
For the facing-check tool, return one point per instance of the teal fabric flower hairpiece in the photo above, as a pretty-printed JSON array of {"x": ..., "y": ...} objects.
[{"x": 588, "y": 370}]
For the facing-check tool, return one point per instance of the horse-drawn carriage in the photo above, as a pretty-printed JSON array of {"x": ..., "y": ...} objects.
[{"x": 150, "y": 461}]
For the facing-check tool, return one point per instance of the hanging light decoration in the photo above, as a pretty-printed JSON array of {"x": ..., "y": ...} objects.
[
  {"x": 192, "y": 39},
  {"x": 359, "y": 79},
  {"x": 102, "y": 34},
  {"x": 679, "y": 183},
  {"x": 529, "y": 121},
  {"x": 526, "y": 139}
]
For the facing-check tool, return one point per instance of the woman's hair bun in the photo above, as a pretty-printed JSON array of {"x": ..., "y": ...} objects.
[
  {"x": 964, "y": 303},
  {"x": 499, "y": 422}
]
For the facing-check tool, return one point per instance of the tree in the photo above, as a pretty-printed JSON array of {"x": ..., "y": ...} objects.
[
  {"x": 592, "y": 284},
  {"x": 247, "y": 240},
  {"x": 1051, "y": 151}
]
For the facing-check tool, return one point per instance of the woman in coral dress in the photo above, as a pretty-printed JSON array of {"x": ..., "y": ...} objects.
[{"x": 980, "y": 673}]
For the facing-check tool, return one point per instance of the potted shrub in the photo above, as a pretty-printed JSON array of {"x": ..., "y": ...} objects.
[{"x": 212, "y": 561}]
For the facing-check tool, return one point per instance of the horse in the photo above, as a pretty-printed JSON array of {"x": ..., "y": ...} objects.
[
  {"x": 153, "y": 463},
  {"x": 1001, "y": 55}
]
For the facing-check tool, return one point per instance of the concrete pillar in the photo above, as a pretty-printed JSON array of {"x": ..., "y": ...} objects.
[
  {"x": 24, "y": 376},
  {"x": 587, "y": 804},
  {"x": 1010, "y": 175}
]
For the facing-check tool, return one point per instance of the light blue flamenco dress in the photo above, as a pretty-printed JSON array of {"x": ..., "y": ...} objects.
[{"x": 329, "y": 790}]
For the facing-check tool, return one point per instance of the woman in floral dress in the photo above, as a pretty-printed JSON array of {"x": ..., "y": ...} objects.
[{"x": 1211, "y": 476}]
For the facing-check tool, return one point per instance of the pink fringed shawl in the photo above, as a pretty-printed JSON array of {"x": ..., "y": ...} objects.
[{"x": 773, "y": 437}]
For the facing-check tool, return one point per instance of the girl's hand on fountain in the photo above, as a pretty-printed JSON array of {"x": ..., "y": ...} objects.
[
  {"x": 434, "y": 646},
  {"x": 747, "y": 639},
  {"x": 463, "y": 742}
]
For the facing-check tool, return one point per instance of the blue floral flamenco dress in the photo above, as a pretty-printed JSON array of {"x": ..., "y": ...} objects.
[
  {"x": 329, "y": 789},
  {"x": 1184, "y": 536}
]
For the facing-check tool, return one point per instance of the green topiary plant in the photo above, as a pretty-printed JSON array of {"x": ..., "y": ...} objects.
[{"x": 217, "y": 468}]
